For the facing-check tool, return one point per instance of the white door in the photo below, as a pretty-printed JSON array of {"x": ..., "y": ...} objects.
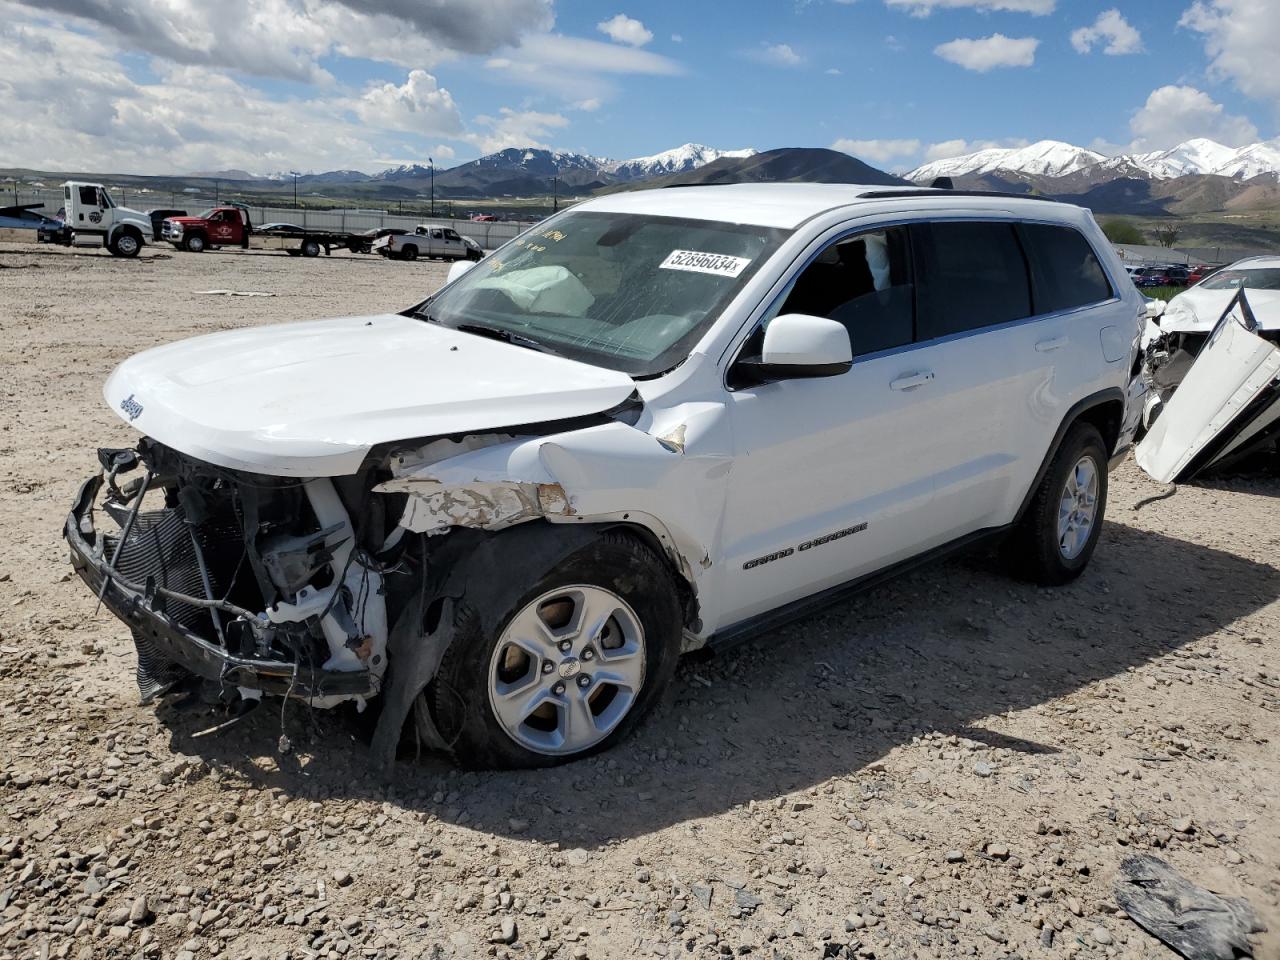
[
  {"x": 913, "y": 448},
  {"x": 832, "y": 476},
  {"x": 90, "y": 215}
]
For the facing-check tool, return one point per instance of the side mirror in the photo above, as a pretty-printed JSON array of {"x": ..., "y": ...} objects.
[
  {"x": 798, "y": 346},
  {"x": 459, "y": 268},
  {"x": 1155, "y": 309}
]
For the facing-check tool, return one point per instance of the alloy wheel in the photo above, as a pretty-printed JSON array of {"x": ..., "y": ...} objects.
[{"x": 567, "y": 669}]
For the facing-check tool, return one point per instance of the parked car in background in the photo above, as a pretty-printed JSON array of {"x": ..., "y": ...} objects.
[
  {"x": 428, "y": 240},
  {"x": 1201, "y": 272},
  {"x": 1172, "y": 341},
  {"x": 660, "y": 420}
]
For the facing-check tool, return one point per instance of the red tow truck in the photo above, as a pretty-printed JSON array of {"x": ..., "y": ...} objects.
[{"x": 230, "y": 226}]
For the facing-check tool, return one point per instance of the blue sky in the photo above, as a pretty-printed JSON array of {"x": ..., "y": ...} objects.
[{"x": 266, "y": 85}]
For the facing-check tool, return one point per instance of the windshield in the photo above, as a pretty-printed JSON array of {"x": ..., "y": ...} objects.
[
  {"x": 624, "y": 291},
  {"x": 1267, "y": 278},
  {"x": 206, "y": 214}
]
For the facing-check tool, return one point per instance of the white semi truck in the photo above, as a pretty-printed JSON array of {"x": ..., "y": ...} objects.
[{"x": 93, "y": 219}]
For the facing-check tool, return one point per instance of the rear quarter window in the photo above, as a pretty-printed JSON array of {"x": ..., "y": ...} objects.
[{"x": 1065, "y": 272}]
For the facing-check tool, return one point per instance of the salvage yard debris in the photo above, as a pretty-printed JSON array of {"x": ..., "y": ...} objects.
[
  {"x": 1198, "y": 924},
  {"x": 234, "y": 293}
]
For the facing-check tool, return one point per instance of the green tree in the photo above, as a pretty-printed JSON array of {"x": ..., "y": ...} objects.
[
  {"x": 1122, "y": 231},
  {"x": 1167, "y": 234}
]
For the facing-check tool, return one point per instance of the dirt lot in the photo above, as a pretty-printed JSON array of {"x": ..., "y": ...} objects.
[{"x": 951, "y": 766}]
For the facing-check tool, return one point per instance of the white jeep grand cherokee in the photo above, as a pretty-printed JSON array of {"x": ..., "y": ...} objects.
[{"x": 658, "y": 420}]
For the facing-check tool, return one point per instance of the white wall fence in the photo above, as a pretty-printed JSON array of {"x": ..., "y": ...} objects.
[{"x": 488, "y": 234}]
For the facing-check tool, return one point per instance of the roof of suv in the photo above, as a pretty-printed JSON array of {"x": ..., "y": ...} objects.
[{"x": 785, "y": 205}]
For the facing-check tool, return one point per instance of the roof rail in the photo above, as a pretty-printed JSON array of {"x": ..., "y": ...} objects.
[{"x": 930, "y": 191}]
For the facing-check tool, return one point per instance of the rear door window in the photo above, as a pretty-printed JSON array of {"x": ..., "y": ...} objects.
[
  {"x": 969, "y": 275},
  {"x": 1065, "y": 272}
]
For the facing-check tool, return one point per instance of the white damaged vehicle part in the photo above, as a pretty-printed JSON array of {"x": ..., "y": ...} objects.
[
  {"x": 1175, "y": 336},
  {"x": 312, "y": 399},
  {"x": 1227, "y": 406}
]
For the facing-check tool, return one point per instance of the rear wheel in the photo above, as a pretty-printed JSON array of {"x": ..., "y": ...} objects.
[
  {"x": 194, "y": 243},
  {"x": 575, "y": 665},
  {"x": 310, "y": 248},
  {"x": 1056, "y": 537},
  {"x": 410, "y": 252}
]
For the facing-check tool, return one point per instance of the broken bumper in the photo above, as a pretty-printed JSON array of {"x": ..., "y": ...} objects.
[{"x": 144, "y": 614}]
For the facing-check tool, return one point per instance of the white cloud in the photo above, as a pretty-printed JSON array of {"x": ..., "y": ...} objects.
[
  {"x": 1120, "y": 36},
  {"x": 989, "y": 53},
  {"x": 572, "y": 66},
  {"x": 418, "y": 105},
  {"x": 443, "y": 151},
  {"x": 922, "y": 8},
  {"x": 833, "y": 72},
  {"x": 512, "y": 128},
  {"x": 777, "y": 55},
  {"x": 624, "y": 29},
  {"x": 1241, "y": 38},
  {"x": 73, "y": 106},
  {"x": 287, "y": 38},
  {"x": 946, "y": 149},
  {"x": 878, "y": 151},
  {"x": 590, "y": 105},
  {"x": 1174, "y": 114},
  {"x": 677, "y": 38}
]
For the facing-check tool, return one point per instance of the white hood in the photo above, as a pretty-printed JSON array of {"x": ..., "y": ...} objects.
[
  {"x": 1196, "y": 310},
  {"x": 311, "y": 399}
]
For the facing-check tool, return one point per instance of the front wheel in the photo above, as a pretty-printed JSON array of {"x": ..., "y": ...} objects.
[
  {"x": 1056, "y": 537},
  {"x": 125, "y": 244},
  {"x": 581, "y": 657},
  {"x": 194, "y": 243}
]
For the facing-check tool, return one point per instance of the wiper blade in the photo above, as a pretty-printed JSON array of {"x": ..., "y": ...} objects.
[{"x": 506, "y": 336}]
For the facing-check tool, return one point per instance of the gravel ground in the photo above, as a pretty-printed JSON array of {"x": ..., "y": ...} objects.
[{"x": 950, "y": 766}]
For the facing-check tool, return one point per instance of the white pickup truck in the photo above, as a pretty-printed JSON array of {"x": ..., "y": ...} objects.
[{"x": 428, "y": 240}]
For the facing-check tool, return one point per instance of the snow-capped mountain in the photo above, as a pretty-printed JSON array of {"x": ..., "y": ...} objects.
[
  {"x": 1050, "y": 158},
  {"x": 538, "y": 162},
  {"x": 690, "y": 156},
  {"x": 1047, "y": 158},
  {"x": 1193, "y": 156}
]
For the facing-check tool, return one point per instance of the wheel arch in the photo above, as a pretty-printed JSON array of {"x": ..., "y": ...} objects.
[
  {"x": 1103, "y": 410},
  {"x": 130, "y": 229}
]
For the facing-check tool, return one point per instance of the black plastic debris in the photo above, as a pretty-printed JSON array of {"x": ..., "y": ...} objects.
[{"x": 1196, "y": 923}]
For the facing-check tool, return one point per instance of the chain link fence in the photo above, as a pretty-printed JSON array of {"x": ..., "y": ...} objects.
[{"x": 489, "y": 234}]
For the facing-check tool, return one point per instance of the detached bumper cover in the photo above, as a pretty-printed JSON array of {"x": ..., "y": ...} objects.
[{"x": 146, "y": 617}]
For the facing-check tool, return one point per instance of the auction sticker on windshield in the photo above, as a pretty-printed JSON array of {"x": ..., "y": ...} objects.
[{"x": 719, "y": 264}]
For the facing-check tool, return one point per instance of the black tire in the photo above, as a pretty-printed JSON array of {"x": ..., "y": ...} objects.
[
  {"x": 458, "y": 697},
  {"x": 410, "y": 252},
  {"x": 194, "y": 243},
  {"x": 1033, "y": 551},
  {"x": 310, "y": 248},
  {"x": 126, "y": 243}
]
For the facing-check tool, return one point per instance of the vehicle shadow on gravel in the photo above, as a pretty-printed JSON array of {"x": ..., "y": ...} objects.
[{"x": 946, "y": 649}]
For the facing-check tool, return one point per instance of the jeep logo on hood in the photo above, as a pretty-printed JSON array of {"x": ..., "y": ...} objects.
[{"x": 131, "y": 407}]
